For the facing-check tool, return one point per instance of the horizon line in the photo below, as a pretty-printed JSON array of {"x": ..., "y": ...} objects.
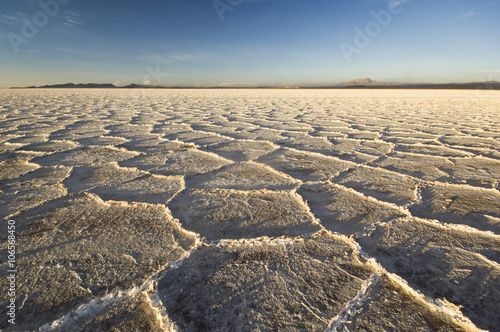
[{"x": 365, "y": 83}]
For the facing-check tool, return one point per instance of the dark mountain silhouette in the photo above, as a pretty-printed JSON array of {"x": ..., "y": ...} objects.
[
  {"x": 73, "y": 86},
  {"x": 367, "y": 83},
  {"x": 362, "y": 83}
]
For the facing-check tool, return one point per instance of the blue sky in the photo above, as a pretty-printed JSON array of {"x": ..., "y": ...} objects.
[{"x": 249, "y": 42}]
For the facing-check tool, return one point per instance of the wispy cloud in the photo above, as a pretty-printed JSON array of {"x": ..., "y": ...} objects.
[
  {"x": 487, "y": 71},
  {"x": 395, "y": 3},
  {"x": 12, "y": 19},
  {"x": 73, "y": 19},
  {"x": 492, "y": 3},
  {"x": 236, "y": 84},
  {"x": 261, "y": 0},
  {"x": 175, "y": 58},
  {"x": 469, "y": 14},
  {"x": 10, "y": 23}
]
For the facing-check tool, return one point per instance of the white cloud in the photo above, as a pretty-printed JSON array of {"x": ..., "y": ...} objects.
[
  {"x": 175, "y": 58},
  {"x": 236, "y": 84},
  {"x": 487, "y": 71},
  {"x": 469, "y": 14},
  {"x": 261, "y": 0},
  {"x": 395, "y": 3},
  {"x": 73, "y": 19},
  {"x": 12, "y": 19}
]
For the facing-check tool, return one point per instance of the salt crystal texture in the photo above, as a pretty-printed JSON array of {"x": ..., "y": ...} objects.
[{"x": 235, "y": 210}]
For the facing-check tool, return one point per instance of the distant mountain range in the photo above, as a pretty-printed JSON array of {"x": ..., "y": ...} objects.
[
  {"x": 365, "y": 82},
  {"x": 72, "y": 86},
  {"x": 369, "y": 84},
  {"x": 361, "y": 83}
]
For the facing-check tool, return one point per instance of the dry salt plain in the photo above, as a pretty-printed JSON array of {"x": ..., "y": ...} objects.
[{"x": 252, "y": 210}]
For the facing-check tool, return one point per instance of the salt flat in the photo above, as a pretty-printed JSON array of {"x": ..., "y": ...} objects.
[{"x": 251, "y": 210}]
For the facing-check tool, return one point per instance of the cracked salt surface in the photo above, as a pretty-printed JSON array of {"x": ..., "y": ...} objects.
[{"x": 265, "y": 210}]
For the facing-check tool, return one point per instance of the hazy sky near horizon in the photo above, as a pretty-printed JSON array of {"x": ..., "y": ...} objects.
[{"x": 250, "y": 42}]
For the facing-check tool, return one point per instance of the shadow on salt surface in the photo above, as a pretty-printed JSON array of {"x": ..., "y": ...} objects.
[
  {"x": 359, "y": 150},
  {"x": 488, "y": 153},
  {"x": 344, "y": 210},
  {"x": 120, "y": 313},
  {"x": 435, "y": 150},
  {"x": 171, "y": 128},
  {"x": 364, "y": 135},
  {"x": 145, "y": 162},
  {"x": 401, "y": 132},
  {"x": 157, "y": 145},
  {"x": 389, "y": 305},
  {"x": 130, "y": 131},
  {"x": 396, "y": 140},
  {"x": 83, "y": 247},
  {"x": 112, "y": 182},
  {"x": 244, "y": 176},
  {"x": 282, "y": 284},
  {"x": 472, "y": 142},
  {"x": 50, "y": 146},
  {"x": 19, "y": 156},
  {"x": 231, "y": 214},
  {"x": 149, "y": 188},
  {"x": 306, "y": 166},
  {"x": 86, "y": 156},
  {"x": 381, "y": 184},
  {"x": 11, "y": 169},
  {"x": 482, "y": 133},
  {"x": 32, "y": 189},
  {"x": 308, "y": 143},
  {"x": 237, "y": 126},
  {"x": 190, "y": 162},
  {"x": 101, "y": 140},
  {"x": 35, "y": 127},
  {"x": 458, "y": 264},
  {"x": 76, "y": 133},
  {"x": 421, "y": 166},
  {"x": 9, "y": 147},
  {"x": 271, "y": 135},
  {"x": 478, "y": 171},
  {"x": 84, "y": 178},
  {"x": 242, "y": 150},
  {"x": 7, "y": 138},
  {"x": 222, "y": 129},
  {"x": 243, "y": 135},
  {"x": 461, "y": 204},
  {"x": 198, "y": 138},
  {"x": 440, "y": 130},
  {"x": 291, "y": 125},
  {"x": 216, "y": 112},
  {"x": 28, "y": 139}
]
